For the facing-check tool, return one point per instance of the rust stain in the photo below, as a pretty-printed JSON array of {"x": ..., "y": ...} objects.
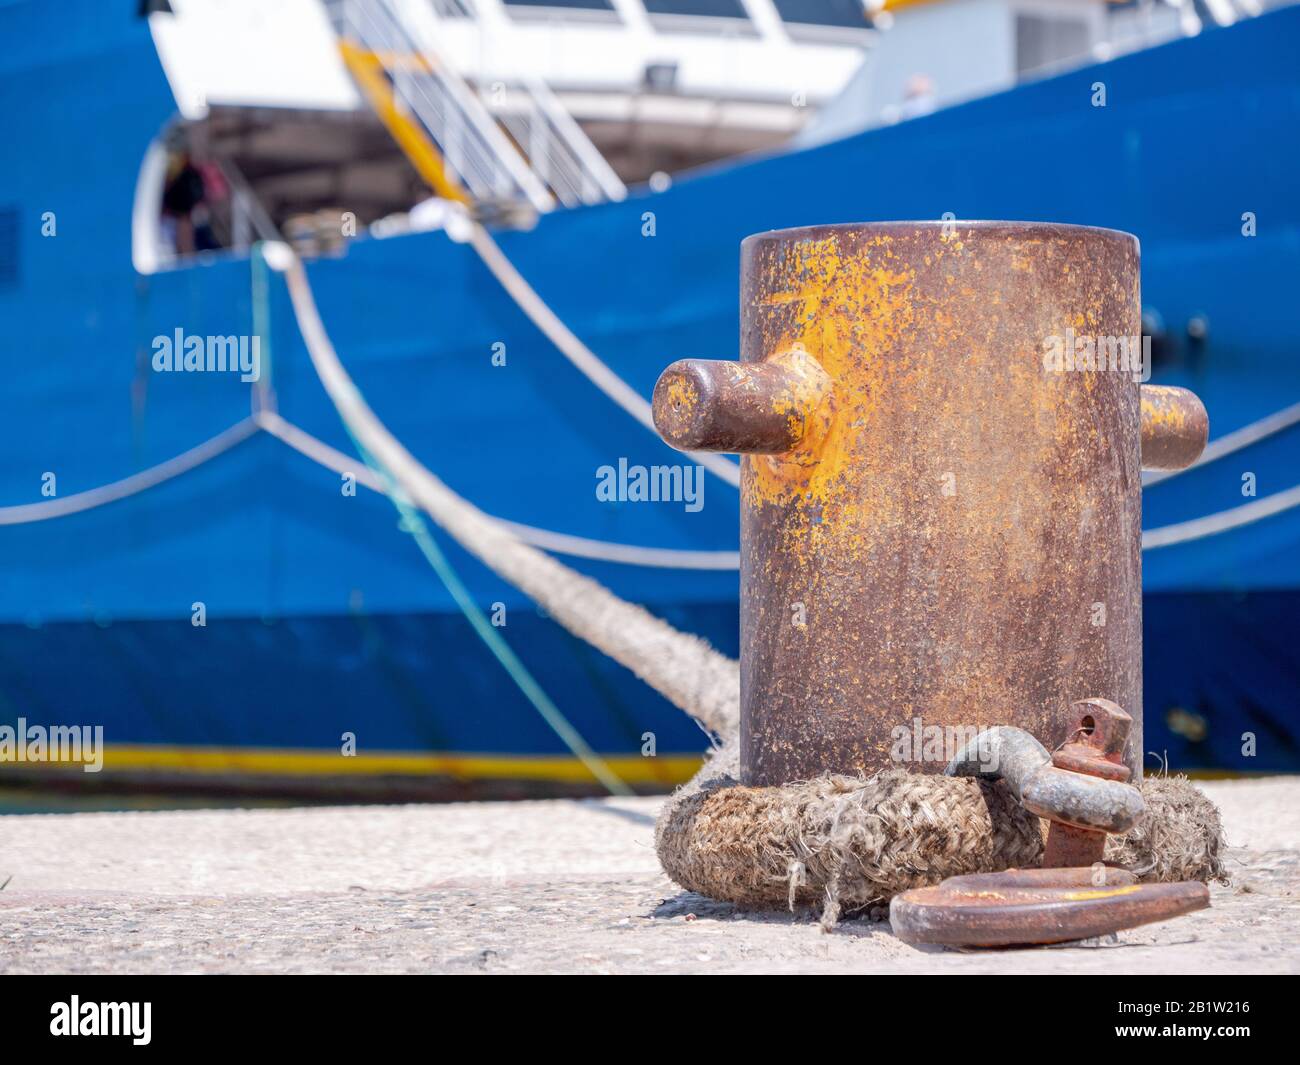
[
  {"x": 1175, "y": 427},
  {"x": 852, "y": 304},
  {"x": 683, "y": 394}
]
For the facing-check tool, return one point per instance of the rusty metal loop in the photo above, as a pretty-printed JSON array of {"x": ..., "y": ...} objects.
[
  {"x": 1024, "y": 907},
  {"x": 1013, "y": 755}
]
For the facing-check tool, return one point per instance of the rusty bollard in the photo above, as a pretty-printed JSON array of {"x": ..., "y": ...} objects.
[{"x": 940, "y": 488}]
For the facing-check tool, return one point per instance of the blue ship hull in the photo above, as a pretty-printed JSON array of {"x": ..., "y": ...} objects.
[{"x": 323, "y": 619}]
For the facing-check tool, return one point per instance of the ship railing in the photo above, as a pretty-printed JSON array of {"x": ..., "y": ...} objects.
[
  {"x": 249, "y": 220},
  {"x": 556, "y": 148},
  {"x": 1150, "y": 23},
  {"x": 472, "y": 144}
]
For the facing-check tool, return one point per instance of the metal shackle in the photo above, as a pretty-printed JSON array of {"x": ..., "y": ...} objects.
[{"x": 1082, "y": 788}]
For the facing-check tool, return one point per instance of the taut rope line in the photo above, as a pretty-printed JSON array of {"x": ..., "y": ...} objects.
[
  {"x": 1213, "y": 524},
  {"x": 546, "y": 539},
  {"x": 561, "y": 543},
  {"x": 573, "y": 349},
  {"x": 682, "y": 668},
  {"x": 23, "y": 513},
  {"x": 413, "y": 523},
  {"x": 1232, "y": 442}
]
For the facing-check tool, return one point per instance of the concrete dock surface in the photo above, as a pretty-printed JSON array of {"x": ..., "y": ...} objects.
[{"x": 548, "y": 886}]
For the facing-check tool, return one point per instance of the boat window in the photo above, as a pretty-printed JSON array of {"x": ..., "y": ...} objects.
[
  {"x": 454, "y": 8},
  {"x": 848, "y": 13},
  {"x": 706, "y": 8},
  {"x": 724, "y": 17},
  {"x": 190, "y": 201},
  {"x": 315, "y": 178},
  {"x": 581, "y": 5},
  {"x": 1043, "y": 42},
  {"x": 590, "y": 11}
]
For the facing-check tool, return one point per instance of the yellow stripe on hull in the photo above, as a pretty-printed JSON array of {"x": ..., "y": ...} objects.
[
  {"x": 289, "y": 762},
  {"x": 275, "y": 761}
]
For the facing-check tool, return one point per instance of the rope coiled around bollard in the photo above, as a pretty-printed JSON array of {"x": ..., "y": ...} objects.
[{"x": 847, "y": 844}]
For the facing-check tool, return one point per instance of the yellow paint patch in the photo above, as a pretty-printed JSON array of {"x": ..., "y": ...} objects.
[
  {"x": 682, "y": 393},
  {"x": 1101, "y": 893},
  {"x": 853, "y": 313},
  {"x": 851, "y": 306}
]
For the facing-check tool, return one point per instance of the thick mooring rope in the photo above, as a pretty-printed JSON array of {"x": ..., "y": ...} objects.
[
  {"x": 847, "y": 844},
  {"x": 682, "y": 668}
]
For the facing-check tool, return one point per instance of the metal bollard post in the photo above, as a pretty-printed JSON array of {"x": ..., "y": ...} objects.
[{"x": 943, "y": 431}]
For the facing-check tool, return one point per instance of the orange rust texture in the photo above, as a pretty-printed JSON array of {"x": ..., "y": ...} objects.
[
  {"x": 682, "y": 392},
  {"x": 805, "y": 400},
  {"x": 1174, "y": 427},
  {"x": 680, "y": 401},
  {"x": 960, "y": 542},
  {"x": 780, "y": 405}
]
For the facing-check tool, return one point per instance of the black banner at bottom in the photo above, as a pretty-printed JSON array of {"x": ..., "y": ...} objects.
[{"x": 335, "y": 1013}]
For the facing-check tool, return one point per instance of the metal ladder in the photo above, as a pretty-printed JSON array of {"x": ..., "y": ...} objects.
[
  {"x": 560, "y": 152},
  {"x": 450, "y": 135}
]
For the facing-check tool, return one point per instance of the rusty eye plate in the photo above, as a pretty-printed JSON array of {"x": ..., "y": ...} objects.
[{"x": 1026, "y": 907}]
